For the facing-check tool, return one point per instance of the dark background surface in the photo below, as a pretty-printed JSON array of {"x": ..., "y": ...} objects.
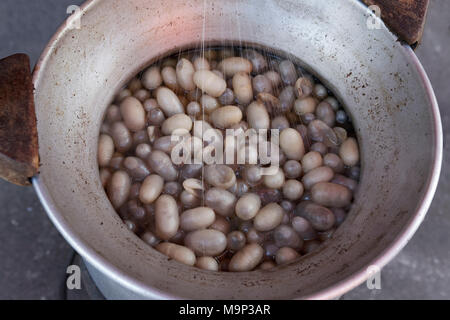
[{"x": 34, "y": 257}]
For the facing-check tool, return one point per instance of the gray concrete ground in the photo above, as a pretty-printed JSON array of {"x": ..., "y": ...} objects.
[{"x": 33, "y": 256}]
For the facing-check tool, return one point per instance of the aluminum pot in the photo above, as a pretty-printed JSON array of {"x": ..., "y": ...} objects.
[{"x": 381, "y": 82}]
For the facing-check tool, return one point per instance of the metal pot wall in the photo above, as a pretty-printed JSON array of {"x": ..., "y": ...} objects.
[{"x": 380, "y": 81}]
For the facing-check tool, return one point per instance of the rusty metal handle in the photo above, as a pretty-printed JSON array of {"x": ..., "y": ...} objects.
[
  {"x": 19, "y": 155},
  {"x": 406, "y": 18}
]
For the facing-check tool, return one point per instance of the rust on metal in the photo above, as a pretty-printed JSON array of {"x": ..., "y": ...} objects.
[
  {"x": 19, "y": 155},
  {"x": 406, "y": 18}
]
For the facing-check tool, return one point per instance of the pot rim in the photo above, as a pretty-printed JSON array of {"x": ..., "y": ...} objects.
[{"x": 338, "y": 289}]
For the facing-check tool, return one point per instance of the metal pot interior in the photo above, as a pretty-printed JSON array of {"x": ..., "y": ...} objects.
[{"x": 373, "y": 75}]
